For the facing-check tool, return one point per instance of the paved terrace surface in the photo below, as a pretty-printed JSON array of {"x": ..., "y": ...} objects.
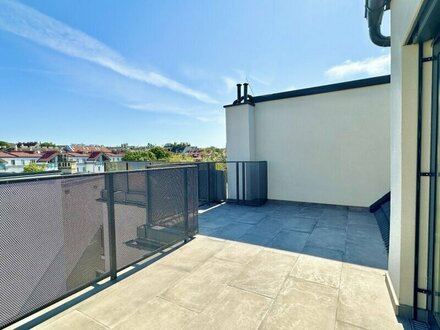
[
  {"x": 334, "y": 232},
  {"x": 225, "y": 283}
]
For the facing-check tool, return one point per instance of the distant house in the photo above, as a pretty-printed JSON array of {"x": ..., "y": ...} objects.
[
  {"x": 189, "y": 150},
  {"x": 20, "y": 159},
  {"x": 66, "y": 164},
  {"x": 24, "y": 157},
  {"x": 80, "y": 159},
  {"x": 6, "y": 162},
  {"x": 86, "y": 148},
  {"x": 95, "y": 162},
  {"x": 27, "y": 146},
  {"x": 115, "y": 156},
  {"x": 68, "y": 161},
  {"x": 50, "y": 160}
]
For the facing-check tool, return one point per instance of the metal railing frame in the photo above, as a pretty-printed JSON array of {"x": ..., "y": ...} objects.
[
  {"x": 112, "y": 273},
  {"x": 240, "y": 193}
]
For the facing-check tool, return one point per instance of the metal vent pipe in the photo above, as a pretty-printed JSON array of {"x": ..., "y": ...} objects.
[
  {"x": 245, "y": 92},
  {"x": 238, "y": 92}
]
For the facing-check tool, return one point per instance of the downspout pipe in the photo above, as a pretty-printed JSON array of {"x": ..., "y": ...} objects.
[{"x": 374, "y": 10}]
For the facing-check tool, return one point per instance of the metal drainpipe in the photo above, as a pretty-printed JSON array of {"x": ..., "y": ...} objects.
[{"x": 374, "y": 10}]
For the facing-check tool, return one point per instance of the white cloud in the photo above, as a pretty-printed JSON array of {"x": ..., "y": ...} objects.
[
  {"x": 373, "y": 66},
  {"x": 44, "y": 30},
  {"x": 231, "y": 84},
  {"x": 199, "y": 114},
  {"x": 240, "y": 76}
]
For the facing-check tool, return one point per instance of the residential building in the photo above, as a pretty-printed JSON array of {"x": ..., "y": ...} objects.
[
  {"x": 14, "y": 161},
  {"x": 350, "y": 143},
  {"x": 80, "y": 159},
  {"x": 50, "y": 160},
  {"x": 115, "y": 156},
  {"x": 66, "y": 165},
  {"x": 5, "y": 161},
  {"x": 95, "y": 162}
]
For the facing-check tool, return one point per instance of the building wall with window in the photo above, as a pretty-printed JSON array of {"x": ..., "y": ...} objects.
[{"x": 16, "y": 164}]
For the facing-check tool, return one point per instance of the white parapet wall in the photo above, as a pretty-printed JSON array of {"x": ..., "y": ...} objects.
[{"x": 330, "y": 147}]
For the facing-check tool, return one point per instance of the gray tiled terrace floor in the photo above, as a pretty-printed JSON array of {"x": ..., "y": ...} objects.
[
  {"x": 334, "y": 232},
  {"x": 221, "y": 282},
  {"x": 212, "y": 283}
]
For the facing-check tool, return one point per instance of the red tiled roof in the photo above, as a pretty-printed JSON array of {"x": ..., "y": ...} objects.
[
  {"x": 77, "y": 154},
  {"x": 111, "y": 154},
  {"x": 88, "y": 149},
  {"x": 94, "y": 155},
  {"x": 48, "y": 156},
  {"x": 6, "y": 155},
  {"x": 24, "y": 154}
]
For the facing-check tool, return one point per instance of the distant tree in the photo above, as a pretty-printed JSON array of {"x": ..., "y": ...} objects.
[
  {"x": 181, "y": 144},
  {"x": 4, "y": 144},
  {"x": 160, "y": 153},
  {"x": 47, "y": 145},
  {"x": 33, "y": 167},
  {"x": 139, "y": 155},
  {"x": 213, "y": 154},
  {"x": 179, "y": 158}
]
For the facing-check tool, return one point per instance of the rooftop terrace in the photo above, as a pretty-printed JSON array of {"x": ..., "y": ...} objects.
[{"x": 282, "y": 265}]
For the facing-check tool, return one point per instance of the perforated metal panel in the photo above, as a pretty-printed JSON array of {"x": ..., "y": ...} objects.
[
  {"x": 203, "y": 185},
  {"x": 150, "y": 211},
  {"x": 55, "y": 233},
  {"x": 50, "y": 241}
]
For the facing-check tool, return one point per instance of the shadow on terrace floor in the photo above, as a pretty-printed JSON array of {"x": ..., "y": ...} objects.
[{"x": 334, "y": 232}]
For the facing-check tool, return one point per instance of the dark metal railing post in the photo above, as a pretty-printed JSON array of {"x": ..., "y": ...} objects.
[
  {"x": 198, "y": 183},
  {"x": 243, "y": 179},
  {"x": 195, "y": 208},
  {"x": 237, "y": 182},
  {"x": 148, "y": 198},
  {"x": 111, "y": 224},
  {"x": 185, "y": 202},
  {"x": 209, "y": 182}
]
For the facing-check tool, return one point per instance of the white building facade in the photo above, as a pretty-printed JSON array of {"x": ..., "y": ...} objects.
[{"x": 350, "y": 146}]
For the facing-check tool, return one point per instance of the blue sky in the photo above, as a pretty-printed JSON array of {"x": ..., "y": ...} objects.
[{"x": 111, "y": 72}]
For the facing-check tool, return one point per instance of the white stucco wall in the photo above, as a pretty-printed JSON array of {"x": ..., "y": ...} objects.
[
  {"x": 240, "y": 132},
  {"x": 403, "y": 106},
  {"x": 330, "y": 148}
]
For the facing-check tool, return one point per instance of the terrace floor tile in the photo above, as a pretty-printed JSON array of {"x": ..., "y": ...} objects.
[
  {"x": 290, "y": 240},
  {"x": 318, "y": 270},
  {"x": 233, "y": 309},
  {"x": 364, "y": 300},
  {"x": 196, "y": 290},
  {"x": 265, "y": 273},
  {"x": 303, "y": 305},
  {"x": 73, "y": 320},
  {"x": 157, "y": 314}
]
